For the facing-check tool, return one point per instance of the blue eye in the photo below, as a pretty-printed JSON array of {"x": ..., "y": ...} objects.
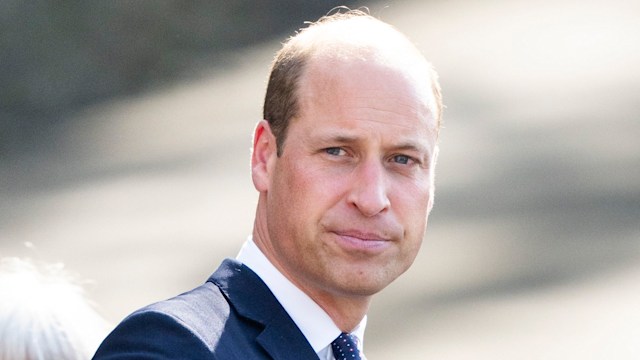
[
  {"x": 402, "y": 159},
  {"x": 335, "y": 151}
]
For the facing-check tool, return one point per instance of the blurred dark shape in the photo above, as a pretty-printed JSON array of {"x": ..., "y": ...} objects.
[{"x": 60, "y": 56}]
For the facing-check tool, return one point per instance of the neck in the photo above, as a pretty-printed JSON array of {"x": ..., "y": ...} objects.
[{"x": 346, "y": 310}]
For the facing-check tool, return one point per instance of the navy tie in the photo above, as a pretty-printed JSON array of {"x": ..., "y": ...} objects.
[{"x": 345, "y": 347}]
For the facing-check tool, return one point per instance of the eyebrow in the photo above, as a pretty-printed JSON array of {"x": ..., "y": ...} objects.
[
  {"x": 339, "y": 138},
  {"x": 411, "y": 145},
  {"x": 346, "y": 139}
]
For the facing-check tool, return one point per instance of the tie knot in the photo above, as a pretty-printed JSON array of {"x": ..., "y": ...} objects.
[{"x": 345, "y": 347}]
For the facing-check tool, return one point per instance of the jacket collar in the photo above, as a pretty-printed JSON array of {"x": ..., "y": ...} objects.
[{"x": 252, "y": 299}]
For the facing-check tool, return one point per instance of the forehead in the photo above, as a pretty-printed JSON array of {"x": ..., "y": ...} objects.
[{"x": 359, "y": 90}]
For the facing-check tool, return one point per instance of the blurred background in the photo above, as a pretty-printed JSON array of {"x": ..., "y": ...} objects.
[{"x": 125, "y": 130}]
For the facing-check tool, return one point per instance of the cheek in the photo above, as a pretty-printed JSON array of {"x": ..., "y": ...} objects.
[
  {"x": 411, "y": 203},
  {"x": 300, "y": 193},
  {"x": 314, "y": 184}
]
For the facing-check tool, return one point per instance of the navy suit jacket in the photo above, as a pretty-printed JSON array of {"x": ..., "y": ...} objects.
[{"x": 233, "y": 315}]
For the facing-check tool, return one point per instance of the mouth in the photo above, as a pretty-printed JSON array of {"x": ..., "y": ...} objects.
[{"x": 353, "y": 240}]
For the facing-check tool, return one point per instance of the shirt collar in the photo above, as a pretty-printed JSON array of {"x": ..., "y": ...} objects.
[{"x": 315, "y": 324}]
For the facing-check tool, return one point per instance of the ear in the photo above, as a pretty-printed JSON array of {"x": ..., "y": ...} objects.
[{"x": 263, "y": 155}]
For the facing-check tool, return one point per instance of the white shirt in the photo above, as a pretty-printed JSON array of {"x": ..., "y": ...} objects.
[{"x": 316, "y": 326}]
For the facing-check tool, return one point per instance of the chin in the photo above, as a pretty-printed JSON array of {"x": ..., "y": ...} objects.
[
  {"x": 368, "y": 287},
  {"x": 365, "y": 290}
]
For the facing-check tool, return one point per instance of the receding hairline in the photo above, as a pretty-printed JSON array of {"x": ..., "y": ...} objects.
[
  {"x": 353, "y": 36},
  {"x": 366, "y": 38},
  {"x": 326, "y": 74},
  {"x": 339, "y": 37}
]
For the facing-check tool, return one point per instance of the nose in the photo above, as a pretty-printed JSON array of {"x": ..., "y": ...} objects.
[{"x": 369, "y": 189}]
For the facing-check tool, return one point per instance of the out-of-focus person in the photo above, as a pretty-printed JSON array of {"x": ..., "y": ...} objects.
[{"x": 44, "y": 313}]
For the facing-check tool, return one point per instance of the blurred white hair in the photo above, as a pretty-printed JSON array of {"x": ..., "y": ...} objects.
[{"x": 44, "y": 314}]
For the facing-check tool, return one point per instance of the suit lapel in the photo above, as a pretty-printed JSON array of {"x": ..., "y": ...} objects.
[
  {"x": 252, "y": 299},
  {"x": 283, "y": 341}
]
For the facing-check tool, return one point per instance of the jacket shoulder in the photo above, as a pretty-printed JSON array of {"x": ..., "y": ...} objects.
[{"x": 190, "y": 323}]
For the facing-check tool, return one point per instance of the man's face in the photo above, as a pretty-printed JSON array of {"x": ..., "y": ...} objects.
[{"x": 348, "y": 199}]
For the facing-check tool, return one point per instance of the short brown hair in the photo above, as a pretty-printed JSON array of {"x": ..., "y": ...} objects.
[{"x": 281, "y": 99}]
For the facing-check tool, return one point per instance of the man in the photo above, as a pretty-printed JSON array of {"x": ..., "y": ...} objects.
[{"x": 344, "y": 165}]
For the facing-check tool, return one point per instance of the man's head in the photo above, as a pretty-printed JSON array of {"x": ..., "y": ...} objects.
[
  {"x": 345, "y": 160},
  {"x": 341, "y": 35}
]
